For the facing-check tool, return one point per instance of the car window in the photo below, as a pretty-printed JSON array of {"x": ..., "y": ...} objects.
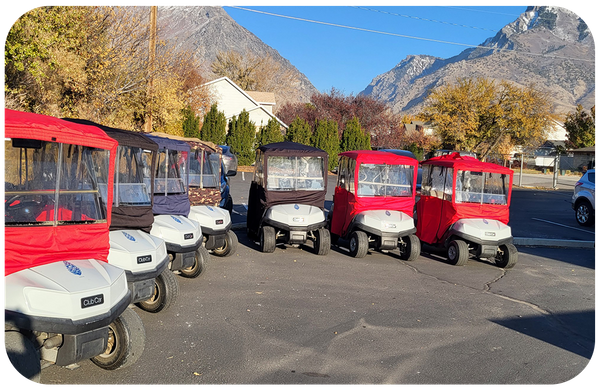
[{"x": 592, "y": 177}]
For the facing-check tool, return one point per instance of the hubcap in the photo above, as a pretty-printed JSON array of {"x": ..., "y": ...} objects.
[
  {"x": 582, "y": 214},
  {"x": 112, "y": 343},
  {"x": 452, "y": 252},
  {"x": 353, "y": 244}
]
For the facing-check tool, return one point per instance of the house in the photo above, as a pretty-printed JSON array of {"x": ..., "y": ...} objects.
[{"x": 232, "y": 100}]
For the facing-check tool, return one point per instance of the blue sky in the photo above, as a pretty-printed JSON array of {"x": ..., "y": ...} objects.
[{"x": 348, "y": 59}]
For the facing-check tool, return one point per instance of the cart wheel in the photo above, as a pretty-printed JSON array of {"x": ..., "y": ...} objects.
[
  {"x": 322, "y": 242},
  {"x": 200, "y": 264},
  {"x": 23, "y": 355},
  {"x": 166, "y": 290},
  {"x": 126, "y": 340},
  {"x": 359, "y": 244},
  {"x": 411, "y": 249},
  {"x": 507, "y": 256},
  {"x": 458, "y": 252},
  {"x": 230, "y": 246},
  {"x": 267, "y": 239}
]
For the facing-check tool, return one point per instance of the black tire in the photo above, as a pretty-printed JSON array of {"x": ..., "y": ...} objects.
[
  {"x": 23, "y": 355},
  {"x": 507, "y": 256},
  {"x": 267, "y": 239},
  {"x": 229, "y": 205},
  {"x": 584, "y": 213},
  {"x": 166, "y": 291},
  {"x": 322, "y": 242},
  {"x": 126, "y": 341},
  {"x": 359, "y": 244},
  {"x": 200, "y": 264},
  {"x": 411, "y": 249},
  {"x": 230, "y": 246},
  {"x": 458, "y": 252}
]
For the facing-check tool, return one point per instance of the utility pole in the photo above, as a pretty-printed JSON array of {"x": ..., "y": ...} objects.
[{"x": 151, "y": 57}]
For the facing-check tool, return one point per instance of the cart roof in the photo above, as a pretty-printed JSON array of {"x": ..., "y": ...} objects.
[
  {"x": 466, "y": 163},
  {"x": 379, "y": 157},
  {"x": 28, "y": 125},
  {"x": 124, "y": 137},
  {"x": 192, "y": 141},
  {"x": 288, "y": 148},
  {"x": 169, "y": 143}
]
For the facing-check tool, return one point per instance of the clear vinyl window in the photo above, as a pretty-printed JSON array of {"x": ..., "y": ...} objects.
[
  {"x": 481, "y": 187},
  {"x": 295, "y": 173},
  {"x": 385, "y": 180}
]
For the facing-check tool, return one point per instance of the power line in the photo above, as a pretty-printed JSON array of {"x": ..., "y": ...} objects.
[{"x": 409, "y": 36}]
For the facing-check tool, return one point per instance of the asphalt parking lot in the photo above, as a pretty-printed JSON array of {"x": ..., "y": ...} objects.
[{"x": 292, "y": 317}]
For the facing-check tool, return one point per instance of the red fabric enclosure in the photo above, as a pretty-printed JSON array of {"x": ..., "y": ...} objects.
[
  {"x": 27, "y": 247},
  {"x": 347, "y": 204},
  {"x": 435, "y": 215}
]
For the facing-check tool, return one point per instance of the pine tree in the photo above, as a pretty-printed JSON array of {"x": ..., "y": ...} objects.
[
  {"x": 214, "y": 127},
  {"x": 353, "y": 138},
  {"x": 326, "y": 137},
  {"x": 191, "y": 123},
  {"x": 581, "y": 127},
  {"x": 299, "y": 131},
  {"x": 269, "y": 133},
  {"x": 241, "y": 137}
]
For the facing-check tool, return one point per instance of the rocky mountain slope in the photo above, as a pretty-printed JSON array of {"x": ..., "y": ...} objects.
[
  {"x": 207, "y": 30},
  {"x": 550, "y": 47}
]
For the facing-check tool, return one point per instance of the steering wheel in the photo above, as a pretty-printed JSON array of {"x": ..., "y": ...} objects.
[{"x": 26, "y": 210}]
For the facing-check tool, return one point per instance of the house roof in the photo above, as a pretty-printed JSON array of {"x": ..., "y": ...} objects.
[
  {"x": 263, "y": 97},
  {"x": 589, "y": 149},
  {"x": 257, "y": 105}
]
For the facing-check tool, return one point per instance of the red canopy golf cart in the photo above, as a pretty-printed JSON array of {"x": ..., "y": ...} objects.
[
  {"x": 464, "y": 208},
  {"x": 373, "y": 203}
]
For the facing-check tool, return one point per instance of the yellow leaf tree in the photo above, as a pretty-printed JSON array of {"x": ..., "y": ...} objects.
[{"x": 485, "y": 116}]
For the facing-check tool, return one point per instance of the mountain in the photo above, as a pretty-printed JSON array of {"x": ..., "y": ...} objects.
[
  {"x": 204, "y": 31},
  {"x": 550, "y": 47}
]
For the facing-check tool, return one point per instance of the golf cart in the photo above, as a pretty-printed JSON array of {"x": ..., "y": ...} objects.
[
  {"x": 373, "y": 203},
  {"x": 200, "y": 168},
  {"x": 143, "y": 256},
  {"x": 464, "y": 210},
  {"x": 64, "y": 302},
  {"x": 171, "y": 207},
  {"x": 287, "y": 196}
]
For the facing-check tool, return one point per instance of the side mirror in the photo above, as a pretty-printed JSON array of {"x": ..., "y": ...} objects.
[{"x": 231, "y": 173}]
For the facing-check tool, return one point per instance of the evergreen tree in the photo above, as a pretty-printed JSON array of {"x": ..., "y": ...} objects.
[
  {"x": 269, "y": 133},
  {"x": 581, "y": 127},
  {"x": 191, "y": 123},
  {"x": 241, "y": 137},
  {"x": 353, "y": 138},
  {"x": 214, "y": 127},
  {"x": 326, "y": 137},
  {"x": 299, "y": 131}
]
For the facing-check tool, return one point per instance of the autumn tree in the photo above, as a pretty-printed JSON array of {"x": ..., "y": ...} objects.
[
  {"x": 269, "y": 133},
  {"x": 481, "y": 115},
  {"x": 581, "y": 127},
  {"x": 241, "y": 136},
  {"x": 325, "y": 137},
  {"x": 299, "y": 131},
  {"x": 214, "y": 126}
]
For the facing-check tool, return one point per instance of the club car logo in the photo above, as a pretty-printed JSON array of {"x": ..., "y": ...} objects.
[
  {"x": 176, "y": 219},
  {"x": 387, "y": 213},
  {"x": 296, "y": 207},
  {"x": 94, "y": 300},
  {"x": 72, "y": 268},
  {"x": 129, "y": 236},
  {"x": 210, "y": 208}
]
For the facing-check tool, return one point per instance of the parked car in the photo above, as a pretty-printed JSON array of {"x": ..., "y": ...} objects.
[
  {"x": 583, "y": 198},
  {"x": 230, "y": 161}
]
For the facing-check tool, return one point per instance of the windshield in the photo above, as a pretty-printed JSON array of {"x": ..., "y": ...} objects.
[
  {"x": 295, "y": 173},
  {"x": 481, "y": 187},
  {"x": 385, "y": 180},
  {"x": 170, "y": 171},
  {"x": 130, "y": 187},
  {"x": 54, "y": 184},
  {"x": 202, "y": 173}
]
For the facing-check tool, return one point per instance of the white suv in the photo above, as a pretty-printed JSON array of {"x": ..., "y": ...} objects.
[{"x": 583, "y": 198}]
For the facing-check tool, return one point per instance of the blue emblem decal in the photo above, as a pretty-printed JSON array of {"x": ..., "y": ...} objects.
[
  {"x": 72, "y": 268},
  {"x": 129, "y": 236},
  {"x": 387, "y": 213},
  {"x": 297, "y": 207},
  {"x": 176, "y": 219},
  {"x": 485, "y": 221},
  {"x": 210, "y": 208}
]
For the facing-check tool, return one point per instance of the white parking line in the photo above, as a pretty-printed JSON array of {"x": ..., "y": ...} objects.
[{"x": 560, "y": 224}]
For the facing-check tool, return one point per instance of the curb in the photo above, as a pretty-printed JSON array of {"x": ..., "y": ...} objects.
[{"x": 522, "y": 241}]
